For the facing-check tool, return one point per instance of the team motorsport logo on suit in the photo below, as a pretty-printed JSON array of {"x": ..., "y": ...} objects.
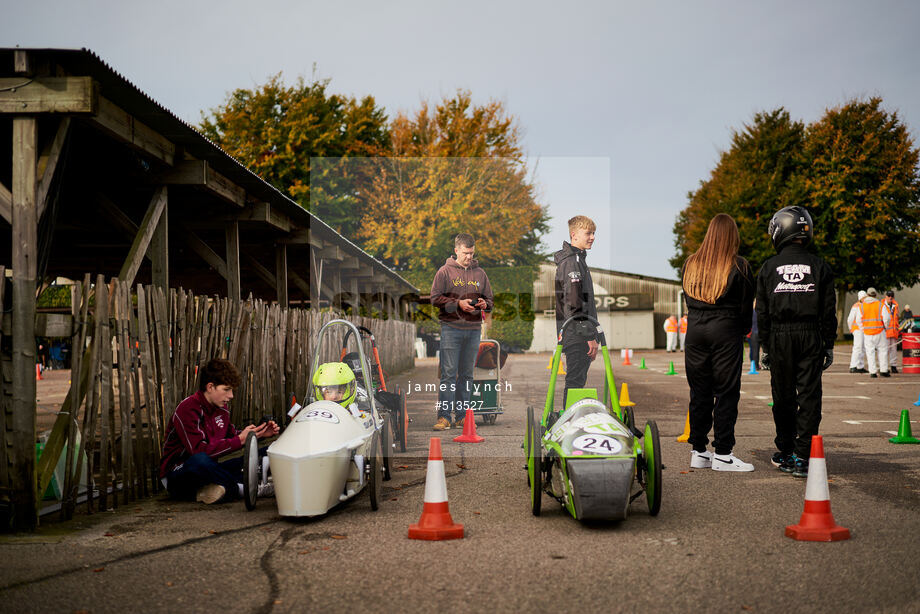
[{"x": 793, "y": 274}]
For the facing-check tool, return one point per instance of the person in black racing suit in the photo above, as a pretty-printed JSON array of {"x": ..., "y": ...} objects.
[{"x": 797, "y": 318}]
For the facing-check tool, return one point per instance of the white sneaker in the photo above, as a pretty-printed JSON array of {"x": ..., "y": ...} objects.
[
  {"x": 266, "y": 490},
  {"x": 729, "y": 462},
  {"x": 700, "y": 460}
]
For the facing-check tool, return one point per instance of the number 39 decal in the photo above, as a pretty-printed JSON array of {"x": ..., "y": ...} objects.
[
  {"x": 597, "y": 444},
  {"x": 318, "y": 414}
]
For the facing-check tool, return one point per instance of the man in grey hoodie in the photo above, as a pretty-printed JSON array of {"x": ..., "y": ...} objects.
[{"x": 461, "y": 291}]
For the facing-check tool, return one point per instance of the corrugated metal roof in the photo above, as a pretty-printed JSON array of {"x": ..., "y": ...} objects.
[{"x": 125, "y": 94}]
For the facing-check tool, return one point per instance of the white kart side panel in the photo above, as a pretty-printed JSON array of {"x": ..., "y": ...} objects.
[{"x": 312, "y": 460}]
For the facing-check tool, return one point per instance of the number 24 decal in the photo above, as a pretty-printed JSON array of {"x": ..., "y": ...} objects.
[{"x": 597, "y": 444}]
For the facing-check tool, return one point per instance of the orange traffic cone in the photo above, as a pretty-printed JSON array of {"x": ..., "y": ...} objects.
[
  {"x": 38, "y": 372},
  {"x": 624, "y": 396},
  {"x": 685, "y": 436},
  {"x": 626, "y": 362},
  {"x": 435, "y": 523},
  {"x": 469, "y": 429},
  {"x": 817, "y": 523}
]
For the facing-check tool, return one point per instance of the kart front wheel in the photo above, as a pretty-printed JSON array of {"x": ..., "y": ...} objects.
[
  {"x": 373, "y": 468},
  {"x": 251, "y": 464},
  {"x": 651, "y": 452},
  {"x": 386, "y": 445},
  {"x": 535, "y": 463},
  {"x": 402, "y": 419}
]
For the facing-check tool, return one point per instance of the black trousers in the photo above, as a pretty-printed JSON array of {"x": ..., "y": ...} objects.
[
  {"x": 712, "y": 359},
  {"x": 576, "y": 364},
  {"x": 796, "y": 358}
]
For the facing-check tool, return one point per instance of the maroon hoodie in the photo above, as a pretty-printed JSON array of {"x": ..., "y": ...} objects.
[
  {"x": 451, "y": 284},
  {"x": 198, "y": 426}
]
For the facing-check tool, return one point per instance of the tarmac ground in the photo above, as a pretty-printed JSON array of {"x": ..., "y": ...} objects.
[{"x": 718, "y": 543}]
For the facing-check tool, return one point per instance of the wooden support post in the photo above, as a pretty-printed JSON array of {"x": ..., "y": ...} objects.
[
  {"x": 144, "y": 235},
  {"x": 159, "y": 251},
  {"x": 24, "y": 497},
  {"x": 316, "y": 277},
  {"x": 233, "y": 261},
  {"x": 281, "y": 275},
  {"x": 354, "y": 296}
]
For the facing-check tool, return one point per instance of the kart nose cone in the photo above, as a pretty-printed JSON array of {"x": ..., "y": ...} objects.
[{"x": 600, "y": 487}]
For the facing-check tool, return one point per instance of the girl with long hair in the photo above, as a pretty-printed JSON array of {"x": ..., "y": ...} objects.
[{"x": 719, "y": 290}]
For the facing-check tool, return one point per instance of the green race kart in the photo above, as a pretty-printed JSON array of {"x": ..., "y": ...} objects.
[{"x": 589, "y": 456}]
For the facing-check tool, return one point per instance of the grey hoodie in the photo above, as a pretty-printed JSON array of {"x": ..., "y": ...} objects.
[{"x": 451, "y": 284}]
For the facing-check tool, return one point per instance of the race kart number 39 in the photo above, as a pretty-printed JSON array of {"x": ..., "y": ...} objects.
[
  {"x": 597, "y": 444},
  {"x": 318, "y": 414}
]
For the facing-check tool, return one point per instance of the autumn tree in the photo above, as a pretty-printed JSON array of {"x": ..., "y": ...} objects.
[
  {"x": 455, "y": 167},
  {"x": 276, "y": 129},
  {"x": 751, "y": 181}
]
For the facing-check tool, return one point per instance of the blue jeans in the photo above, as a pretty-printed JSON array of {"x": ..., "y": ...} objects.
[
  {"x": 200, "y": 470},
  {"x": 459, "y": 347}
]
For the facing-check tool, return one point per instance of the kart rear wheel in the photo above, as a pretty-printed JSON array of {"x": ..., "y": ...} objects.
[
  {"x": 527, "y": 441},
  {"x": 630, "y": 418},
  {"x": 387, "y": 445},
  {"x": 402, "y": 419},
  {"x": 651, "y": 452},
  {"x": 489, "y": 418},
  {"x": 251, "y": 471},
  {"x": 535, "y": 464},
  {"x": 373, "y": 467}
]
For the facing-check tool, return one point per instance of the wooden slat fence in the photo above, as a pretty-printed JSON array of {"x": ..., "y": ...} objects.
[{"x": 136, "y": 354}]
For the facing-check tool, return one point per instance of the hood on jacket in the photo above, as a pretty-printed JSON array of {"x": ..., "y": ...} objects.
[
  {"x": 452, "y": 262},
  {"x": 568, "y": 251}
]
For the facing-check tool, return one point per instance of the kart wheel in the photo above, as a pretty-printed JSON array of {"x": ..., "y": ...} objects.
[
  {"x": 630, "y": 418},
  {"x": 651, "y": 451},
  {"x": 386, "y": 441},
  {"x": 490, "y": 418},
  {"x": 373, "y": 468},
  {"x": 402, "y": 418},
  {"x": 251, "y": 471},
  {"x": 535, "y": 464},
  {"x": 527, "y": 440}
]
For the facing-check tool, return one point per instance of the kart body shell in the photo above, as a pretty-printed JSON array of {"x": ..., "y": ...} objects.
[
  {"x": 589, "y": 456},
  {"x": 328, "y": 453}
]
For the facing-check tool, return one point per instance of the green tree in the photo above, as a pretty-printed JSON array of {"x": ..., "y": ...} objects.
[
  {"x": 456, "y": 167},
  {"x": 276, "y": 129},
  {"x": 751, "y": 181},
  {"x": 855, "y": 170},
  {"x": 862, "y": 188}
]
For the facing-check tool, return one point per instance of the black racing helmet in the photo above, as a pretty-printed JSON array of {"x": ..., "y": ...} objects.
[{"x": 789, "y": 224}]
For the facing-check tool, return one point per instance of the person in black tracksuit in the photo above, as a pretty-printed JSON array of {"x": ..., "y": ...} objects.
[
  {"x": 575, "y": 295},
  {"x": 717, "y": 323},
  {"x": 797, "y": 317}
]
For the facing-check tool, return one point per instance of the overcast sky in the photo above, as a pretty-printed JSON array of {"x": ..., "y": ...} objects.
[{"x": 626, "y": 105}]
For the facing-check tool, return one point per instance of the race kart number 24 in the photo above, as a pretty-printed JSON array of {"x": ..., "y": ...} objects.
[
  {"x": 319, "y": 414},
  {"x": 597, "y": 444}
]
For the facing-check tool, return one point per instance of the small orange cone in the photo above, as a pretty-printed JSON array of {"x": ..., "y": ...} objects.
[
  {"x": 626, "y": 362},
  {"x": 38, "y": 372},
  {"x": 469, "y": 429},
  {"x": 817, "y": 523},
  {"x": 624, "y": 396},
  {"x": 685, "y": 436},
  {"x": 435, "y": 523}
]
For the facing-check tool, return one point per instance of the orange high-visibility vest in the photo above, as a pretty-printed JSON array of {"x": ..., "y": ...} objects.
[
  {"x": 872, "y": 318},
  {"x": 892, "y": 331},
  {"x": 683, "y": 324},
  {"x": 855, "y": 326},
  {"x": 670, "y": 325}
]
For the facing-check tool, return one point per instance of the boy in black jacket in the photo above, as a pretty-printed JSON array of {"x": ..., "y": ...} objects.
[
  {"x": 575, "y": 295},
  {"x": 797, "y": 318}
]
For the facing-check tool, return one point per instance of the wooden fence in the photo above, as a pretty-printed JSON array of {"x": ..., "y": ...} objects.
[{"x": 141, "y": 352}]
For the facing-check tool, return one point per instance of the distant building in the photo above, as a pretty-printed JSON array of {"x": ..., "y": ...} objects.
[{"x": 631, "y": 308}]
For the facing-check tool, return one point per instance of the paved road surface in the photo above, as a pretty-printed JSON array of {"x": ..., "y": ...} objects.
[{"x": 717, "y": 544}]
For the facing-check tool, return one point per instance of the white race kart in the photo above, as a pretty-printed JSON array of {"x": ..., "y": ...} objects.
[{"x": 328, "y": 453}]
